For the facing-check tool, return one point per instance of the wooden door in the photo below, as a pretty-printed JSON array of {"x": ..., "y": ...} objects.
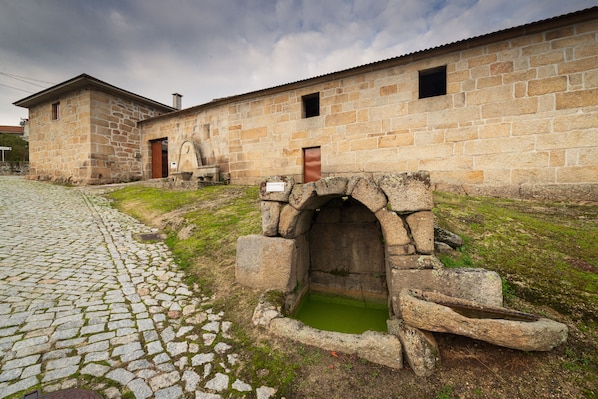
[
  {"x": 312, "y": 164},
  {"x": 157, "y": 159}
]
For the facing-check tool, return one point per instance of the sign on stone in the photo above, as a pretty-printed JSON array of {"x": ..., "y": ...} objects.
[{"x": 274, "y": 187}]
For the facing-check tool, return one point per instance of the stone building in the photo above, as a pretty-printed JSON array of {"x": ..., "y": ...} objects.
[
  {"x": 511, "y": 113},
  {"x": 85, "y": 131}
]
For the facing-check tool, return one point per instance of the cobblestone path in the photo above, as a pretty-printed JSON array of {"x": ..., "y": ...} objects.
[{"x": 82, "y": 302}]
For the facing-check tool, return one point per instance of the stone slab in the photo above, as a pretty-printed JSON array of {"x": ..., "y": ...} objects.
[
  {"x": 479, "y": 285},
  {"x": 266, "y": 262},
  {"x": 421, "y": 225},
  {"x": 429, "y": 311},
  {"x": 420, "y": 347},
  {"x": 270, "y": 217},
  {"x": 408, "y": 192},
  {"x": 379, "y": 348}
]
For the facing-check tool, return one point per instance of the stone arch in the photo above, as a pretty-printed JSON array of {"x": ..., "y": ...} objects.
[
  {"x": 296, "y": 220},
  {"x": 402, "y": 205}
]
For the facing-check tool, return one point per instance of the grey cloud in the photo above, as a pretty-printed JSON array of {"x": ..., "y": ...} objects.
[{"x": 212, "y": 48}]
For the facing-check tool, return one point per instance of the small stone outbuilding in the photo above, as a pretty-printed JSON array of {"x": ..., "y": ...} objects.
[{"x": 84, "y": 131}]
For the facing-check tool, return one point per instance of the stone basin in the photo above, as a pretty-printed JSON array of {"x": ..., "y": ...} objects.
[
  {"x": 377, "y": 347},
  {"x": 497, "y": 325},
  {"x": 186, "y": 176}
]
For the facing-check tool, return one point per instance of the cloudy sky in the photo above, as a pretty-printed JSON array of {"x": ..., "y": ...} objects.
[{"x": 207, "y": 49}]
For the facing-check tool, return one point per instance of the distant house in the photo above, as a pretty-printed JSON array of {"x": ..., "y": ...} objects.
[
  {"x": 16, "y": 130},
  {"x": 512, "y": 113},
  {"x": 13, "y": 147},
  {"x": 85, "y": 131}
]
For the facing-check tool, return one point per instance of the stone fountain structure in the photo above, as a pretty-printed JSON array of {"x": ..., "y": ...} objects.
[
  {"x": 366, "y": 238},
  {"x": 189, "y": 166}
]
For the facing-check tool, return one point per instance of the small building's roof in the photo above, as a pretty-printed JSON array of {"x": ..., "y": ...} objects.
[
  {"x": 557, "y": 22},
  {"x": 12, "y": 129},
  {"x": 85, "y": 81}
]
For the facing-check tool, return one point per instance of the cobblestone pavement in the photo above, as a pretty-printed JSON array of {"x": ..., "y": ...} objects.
[{"x": 83, "y": 302}]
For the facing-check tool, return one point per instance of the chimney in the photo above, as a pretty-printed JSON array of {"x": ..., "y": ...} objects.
[{"x": 177, "y": 102}]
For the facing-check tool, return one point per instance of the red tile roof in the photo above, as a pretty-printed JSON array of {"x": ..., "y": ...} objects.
[{"x": 12, "y": 129}]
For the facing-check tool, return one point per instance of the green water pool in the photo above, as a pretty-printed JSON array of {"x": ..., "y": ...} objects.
[{"x": 342, "y": 314}]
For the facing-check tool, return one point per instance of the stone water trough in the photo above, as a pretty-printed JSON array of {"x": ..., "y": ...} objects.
[{"x": 373, "y": 239}]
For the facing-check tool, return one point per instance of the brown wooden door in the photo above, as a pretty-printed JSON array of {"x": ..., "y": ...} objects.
[
  {"x": 312, "y": 164},
  {"x": 156, "y": 159}
]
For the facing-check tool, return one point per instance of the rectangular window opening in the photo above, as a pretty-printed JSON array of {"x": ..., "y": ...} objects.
[
  {"x": 311, "y": 105},
  {"x": 56, "y": 111},
  {"x": 432, "y": 82}
]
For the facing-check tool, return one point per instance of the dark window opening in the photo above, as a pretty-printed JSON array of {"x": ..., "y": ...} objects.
[
  {"x": 432, "y": 82},
  {"x": 55, "y": 111},
  {"x": 311, "y": 105}
]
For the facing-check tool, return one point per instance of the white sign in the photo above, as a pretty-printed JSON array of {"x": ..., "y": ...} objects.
[
  {"x": 4, "y": 149},
  {"x": 274, "y": 187}
]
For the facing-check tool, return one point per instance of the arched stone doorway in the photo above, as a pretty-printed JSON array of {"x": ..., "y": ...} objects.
[
  {"x": 386, "y": 229},
  {"x": 346, "y": 251}
]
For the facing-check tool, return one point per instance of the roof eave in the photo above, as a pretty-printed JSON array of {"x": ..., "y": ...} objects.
[
  {"x": 80, "y": 82},
  {"x": 488, "y": 38}
]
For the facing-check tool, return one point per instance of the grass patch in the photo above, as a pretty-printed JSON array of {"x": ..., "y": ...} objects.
[{"x": 546, "y": 255}]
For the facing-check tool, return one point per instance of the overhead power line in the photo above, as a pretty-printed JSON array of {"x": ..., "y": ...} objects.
[
  {"x": 16, "y": 88},
  {"x": 26, "y": 79}
]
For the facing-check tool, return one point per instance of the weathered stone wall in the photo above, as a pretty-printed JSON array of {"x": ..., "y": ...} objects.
[
  {"x": 518, "y": 119},
  {"x": 14, "y": 168},
  {"x": 207, "y": 129},
  {"x": 55, "y": 154},
  {"x": 115, "y": 138},
  {"x": 94, "y": 140}
]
